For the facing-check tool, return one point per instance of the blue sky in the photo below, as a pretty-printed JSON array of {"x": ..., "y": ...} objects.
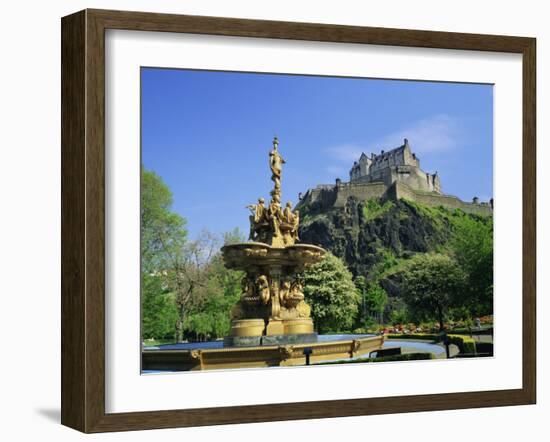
[{"x": 208, "y": 134}]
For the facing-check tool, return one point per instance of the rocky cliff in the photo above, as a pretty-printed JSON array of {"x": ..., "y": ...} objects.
[{"x": 370, "y": 234}]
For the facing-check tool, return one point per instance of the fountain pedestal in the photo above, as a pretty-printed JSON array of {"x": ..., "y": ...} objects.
[
  {"x": 274, "y": 327},
  {"x": 272, "y": 309}
]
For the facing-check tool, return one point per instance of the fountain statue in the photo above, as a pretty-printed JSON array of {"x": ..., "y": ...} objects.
[{"x": 272, "y": 309}]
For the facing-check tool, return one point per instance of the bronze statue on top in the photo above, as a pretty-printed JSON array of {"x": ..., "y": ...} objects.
[
  {"x": 274, "y": 225},
  {"x": 276, "y": 162}
]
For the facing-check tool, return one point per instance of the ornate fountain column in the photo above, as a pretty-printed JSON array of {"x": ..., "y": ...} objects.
[{"x": 272, "y": 309}]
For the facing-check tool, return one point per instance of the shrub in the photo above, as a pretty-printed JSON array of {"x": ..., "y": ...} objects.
[
  {"x": 394, "y": 358},
  {"x": 464, "y": 343},
  {"x": 374, "y": 209},
  {"x": 364, "y": 331},
  {"x": 418, "y": 336},
  {"x": 473, "y": 331}
]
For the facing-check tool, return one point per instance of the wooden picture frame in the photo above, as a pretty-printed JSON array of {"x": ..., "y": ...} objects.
[{"x": 83, "y": 220}]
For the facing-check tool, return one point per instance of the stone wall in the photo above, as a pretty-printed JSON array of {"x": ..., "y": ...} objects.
[
  {"x": 417, "y": 179},
  {"x": 325, "y": 197},
  {"x": 400, "y": 190},
  {"x": 361, "y": 191}
]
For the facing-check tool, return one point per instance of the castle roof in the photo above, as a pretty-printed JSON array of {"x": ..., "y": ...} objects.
[
  {"x": 389, "y": 153},
  {"x": 383, "y": 155},
  {"x": 394, "y": 151}
]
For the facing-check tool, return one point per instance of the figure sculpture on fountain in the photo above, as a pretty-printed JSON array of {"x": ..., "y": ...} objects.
[
  {"x": 257, "y": 217},
  {"x": 274, "y": 225}
]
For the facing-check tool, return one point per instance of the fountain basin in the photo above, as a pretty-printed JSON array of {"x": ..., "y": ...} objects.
[
  {"x": 213, "y": 356},
  {"x": 271, "y": 292},
  {"x": 244, "y": 256}
]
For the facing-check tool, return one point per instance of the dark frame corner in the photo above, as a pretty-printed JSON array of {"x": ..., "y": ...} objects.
[{"x": 83, "y": 215}]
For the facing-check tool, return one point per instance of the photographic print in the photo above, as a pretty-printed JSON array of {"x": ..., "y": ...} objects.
[
  {"x": 253, "y": 199},
  {"x": 302, "y": 220}
]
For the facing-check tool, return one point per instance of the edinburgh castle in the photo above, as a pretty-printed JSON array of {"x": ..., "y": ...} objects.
[{"x": 391, "y": 175}]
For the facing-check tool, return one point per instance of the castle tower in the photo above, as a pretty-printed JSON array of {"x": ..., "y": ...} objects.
[{"x": 398, "y": 164}]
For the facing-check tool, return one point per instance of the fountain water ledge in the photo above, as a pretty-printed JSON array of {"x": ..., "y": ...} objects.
[{"x": 258, "y": 356}]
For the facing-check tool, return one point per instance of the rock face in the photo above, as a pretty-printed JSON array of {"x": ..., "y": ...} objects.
[{"x": 365, "y": 233}]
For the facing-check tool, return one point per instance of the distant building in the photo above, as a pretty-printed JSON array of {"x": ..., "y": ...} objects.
[
  {"x": 398, "y": 164},
  {"x": 390, "y": 175}
]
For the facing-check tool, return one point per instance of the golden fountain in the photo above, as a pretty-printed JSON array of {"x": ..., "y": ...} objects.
[
  {"x": 272, "y": 309},
  {"x": 271, "y": 323}
]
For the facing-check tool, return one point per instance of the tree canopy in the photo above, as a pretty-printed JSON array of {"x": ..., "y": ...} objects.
[
  {"x": 163, "y": 232},
  {"x": 159, "y": 313},
  {"x": 210, "y": 317},
  {"x": 431, "y": 284},
  {"x": 472, "y": 247},
  {"x": 330, "y": 291},
  {"x": 374, "y": 298}
]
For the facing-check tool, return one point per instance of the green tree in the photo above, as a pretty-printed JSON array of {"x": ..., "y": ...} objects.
[
  {"x": 210, "y": 318},
  {"x": 163, "y": 232},
  {"x": 159, "y": 313},
  {"x": 163, "y": 236},
  {"x": 431, "y": 284},
  {"x": 374, "y": 298},
  {"x": 332, "y": 295},
  {"x": 189, "y": 276},
  {"x": 234, "y": 236},
  {"x": 399, "y": 315},
  {"x": 472, "y": 246}
]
